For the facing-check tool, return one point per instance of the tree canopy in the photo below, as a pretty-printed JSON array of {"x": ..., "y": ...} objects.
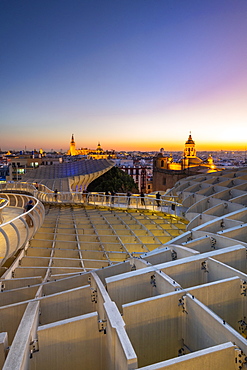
[{"x": 113, "y": 180}]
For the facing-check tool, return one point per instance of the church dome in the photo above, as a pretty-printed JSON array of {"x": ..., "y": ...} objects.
[
  {"x": 195, "y": 161},
  {"x": 190, "y": 140}
]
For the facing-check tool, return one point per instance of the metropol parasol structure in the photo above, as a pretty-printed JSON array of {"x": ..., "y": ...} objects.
[{"x": 97, "y": 283}]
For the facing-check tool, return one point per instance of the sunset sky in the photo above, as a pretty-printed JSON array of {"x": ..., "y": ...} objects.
[{"x": 130, "y": 74}]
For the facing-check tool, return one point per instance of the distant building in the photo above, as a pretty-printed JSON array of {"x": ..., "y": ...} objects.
[
  {"x": 20, "y": 164},
  {"x": 97, "y": 153},
  {"x": 141, "y": 174},
  {"x": 166, "y": 172},
  {"x": 4, "y": 170}
]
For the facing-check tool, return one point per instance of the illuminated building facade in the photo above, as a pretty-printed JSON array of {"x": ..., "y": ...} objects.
[
  {"x": 97, "y": 153},
  {"x": 166, "y": 172}
]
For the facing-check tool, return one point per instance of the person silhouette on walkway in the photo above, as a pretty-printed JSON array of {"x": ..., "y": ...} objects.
[
  {"x": 128, "y": 198},
  {"x": 27, "y": 208},
  {"x": 112, "y": 196},
  {"x": 158, "y": 199},
  {"x": 142, "y": 198},
  {"x": 107, "y": 196},
  {"x": 55, "y": 194}
]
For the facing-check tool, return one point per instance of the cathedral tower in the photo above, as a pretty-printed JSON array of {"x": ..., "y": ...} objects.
[
  {"x": 72, "y": 149},
  {"x": 189, "y": 149}
]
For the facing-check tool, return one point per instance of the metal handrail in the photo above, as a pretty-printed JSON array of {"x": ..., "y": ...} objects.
[
  {"x": 167, "y": 203},
  {"x": 15, "y": 233},
  {"x": 3, "y": 203}
]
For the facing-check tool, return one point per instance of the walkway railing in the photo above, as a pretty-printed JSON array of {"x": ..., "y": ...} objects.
[
  {"x": 24, "y": 187},
  {"x": 3, "y": 204},
  {"x": 167, "y": 203},
  {"x": 149, "y": 203},
  {"x": 15, "y": 232}
]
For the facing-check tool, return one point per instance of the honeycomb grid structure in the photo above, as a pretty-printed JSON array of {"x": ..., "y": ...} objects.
[{"x": 101, "y": 288}]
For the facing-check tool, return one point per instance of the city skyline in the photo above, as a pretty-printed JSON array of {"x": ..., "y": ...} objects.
[{"x": 130, "y": 75}]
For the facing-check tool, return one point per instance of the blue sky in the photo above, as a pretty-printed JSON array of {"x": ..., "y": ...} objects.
[{"x": 130, "y": 74}]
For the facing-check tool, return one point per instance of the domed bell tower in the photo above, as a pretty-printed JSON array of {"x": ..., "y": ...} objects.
[{"x": 189, "y": 149}]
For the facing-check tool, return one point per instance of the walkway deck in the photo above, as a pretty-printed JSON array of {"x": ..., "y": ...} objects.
[{"x": 181, "y": 305}]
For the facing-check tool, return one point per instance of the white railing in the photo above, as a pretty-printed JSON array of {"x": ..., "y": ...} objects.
[
  {"x": 3, "y": 204},
  {"x": 118, "y": 201},
  {"x": 166, "y": 204},
  {"x": 15, "y": 233},
  {"x": 24, "y": 187},
  {"x": 17, "y": 186}
]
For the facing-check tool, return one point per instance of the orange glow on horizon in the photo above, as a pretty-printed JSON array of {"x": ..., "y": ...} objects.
[
  {"x": 132, "y": 145},
  {"x": 168, "y": 147},
  {"x": 175, "y": 146}
]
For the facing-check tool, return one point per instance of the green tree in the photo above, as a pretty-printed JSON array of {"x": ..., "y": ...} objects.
[{"x": 113, "y": 180}]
